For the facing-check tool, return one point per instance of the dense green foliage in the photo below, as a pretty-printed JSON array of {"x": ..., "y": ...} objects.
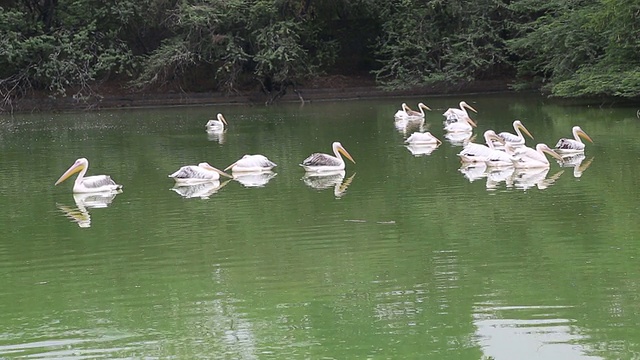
[{"x": 568, "y": 48}]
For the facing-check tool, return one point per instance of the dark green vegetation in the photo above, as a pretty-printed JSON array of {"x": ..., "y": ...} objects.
[{"x": 566, "y": 48}]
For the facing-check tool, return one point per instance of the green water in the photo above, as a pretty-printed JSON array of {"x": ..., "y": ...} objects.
[{"x": 405, "y": 257}]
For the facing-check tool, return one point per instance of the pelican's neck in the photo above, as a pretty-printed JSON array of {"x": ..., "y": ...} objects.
[
  {"x": 575, "y": 134},
  {"x": 336, "y": 152},
  {"x": 487, "y": 139},
  {"x": 518, "y": 132},
  {"x": 540, "y": 149},
  {"x": 463, "y": 108},
  {"x": 80, "y": 176}
]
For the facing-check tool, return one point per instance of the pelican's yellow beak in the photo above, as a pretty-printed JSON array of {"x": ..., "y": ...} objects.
[
  {"x": 209, "y": 167},
  {"x": 424, "y": 106},
  {"x": 72, "y": 170},
  {"x": 230, "y": 166},
  {"x": 344, "y": 152},
  {"x": 221, "y": 118},
  {"x": 554, "y": 154},
  {"x": 584, "y": 135},
  {"x": 471, "y": 122},
  {"x": 470, "y": 108},
  {"x": 524, "y": 129},
  {"x": 497, "y": 138}
]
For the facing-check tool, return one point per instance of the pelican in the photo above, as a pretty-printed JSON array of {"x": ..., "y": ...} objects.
[
  {"x": 516, "y": 139},
  {"x": 573, "y": 146},
  {"x": 318, "y": 162},
  {"x": 454, "y": 114},
  {"x": 251, "y": 163},
  {"x": 461, "y": 125},
  {"x": 218, "y": 125},
  {"x": 192, "y": 174},
  {"x": 423, "y": 138},
  {"x": 499, "y": 159},
  {"x": 89, "y": 184},
  {"x": 527, "y": 158},
  {"x": 410, "y": 114},
  {"x": 473, "y": 152}
]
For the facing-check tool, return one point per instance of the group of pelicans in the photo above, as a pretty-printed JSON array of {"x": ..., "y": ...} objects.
[
  {"x": 499, "y": 150},
  {"x": 502, "y": 152},
  {"x": 204, "y": 173}
]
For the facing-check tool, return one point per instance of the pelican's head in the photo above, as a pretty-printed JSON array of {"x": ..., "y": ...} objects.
[
  {"x": 422, "y": 105},
  {"x": 579, "y": 132},
  {"x": 339, "y": 148},
  {"x": 77, "y": 166},
  {"x": 222, "y": 119},
  {"x": 405, "y": 107},
  {"x": 465, "y": 105},
  {"x": 518, "y": 125},
  {"x": 205, "y": 165},
  {"x": 545, "y": 148},
  {"x": 490, "y": 136}
]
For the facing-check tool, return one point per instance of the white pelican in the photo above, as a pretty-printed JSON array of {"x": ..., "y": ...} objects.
[
  {"x": 192, "y": 174},
  {"x": 423, "y": 138},
  {"x": 318, "y": 162},
  {"x": 572, "y": 146},
  {"x": 500, "y": 159},
  {"x": 89, "y": 184},
  {"x": 516, "y": 139},
  {"x": 526, "y": 157},
  {"x": 454, "y": 114},
  {"x": 218, "y": 125},
  {"x": 461, "y": 125},
  {"x": 251, "y": 163},
  {"x": 409, "y": 114},
  {"x": 473, "y": 152}
]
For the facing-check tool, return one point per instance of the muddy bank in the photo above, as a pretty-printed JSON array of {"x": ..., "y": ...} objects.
[{"x": 335, "y": 88}]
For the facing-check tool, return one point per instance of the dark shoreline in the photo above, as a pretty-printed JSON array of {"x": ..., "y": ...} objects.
[{"x": 124, "y": 100}]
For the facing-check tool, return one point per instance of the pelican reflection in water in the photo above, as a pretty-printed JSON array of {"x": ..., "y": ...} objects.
[
  {"x": 577, "y": 163},
  {"x": 327, "y": 180},
  {"x": 421, "y": 150},
  {"x": 526, "y": 178},
  {"x": 201, "y": 190},
  {"x": 407, "y": 126},
  {"x": 256, "y": 179},
  {"x": 85, "y": 201}
]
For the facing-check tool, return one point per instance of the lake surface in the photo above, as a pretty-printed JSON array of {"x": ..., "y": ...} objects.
[{"x": 403, "y": 257}]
